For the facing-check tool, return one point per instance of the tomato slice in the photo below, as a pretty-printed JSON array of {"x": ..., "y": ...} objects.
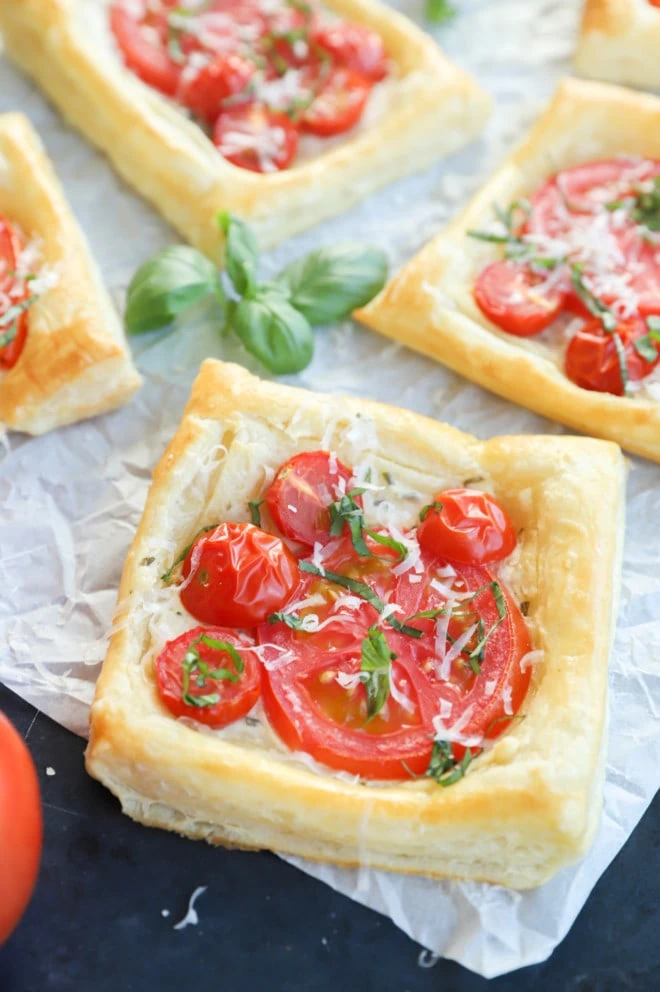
[
  {"x": 354, "y": 47},
  {"x": 592, "y": 359},
  {"x": 15, "y": 332},
  {"x": 141, "y": 31},
  {"x": 468, "y": 526},
  {"x": 194, "y": 667},
  {"x": 301, "y": 493},
  {"x": 203, "y": 90},
  {"x": 338, "y": 105},
  {"x": 236, "y": 574},
  {"x": 255, "y": 138},
  {"x": 506, "y": 293}
]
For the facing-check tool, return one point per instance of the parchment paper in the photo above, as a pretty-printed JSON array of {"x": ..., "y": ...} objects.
[{"x": 70, "y": 501}]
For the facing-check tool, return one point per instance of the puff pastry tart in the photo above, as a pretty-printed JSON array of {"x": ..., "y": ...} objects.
[
  {"x": 269, "y": 81},
  {"x": 546, "y": 289},
  {"x": 62, "y": 350},
  {"x": 620, "y": 40},
  {"x": 350, "y": 633}
]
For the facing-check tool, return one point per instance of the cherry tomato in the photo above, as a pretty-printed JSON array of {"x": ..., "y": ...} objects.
[
  {"x": 354, "y": 47},
  {"x": 237, "y": 691},
  {"x": 255, "y": 138},
  {"x": 339, "y": 104},
  {"x": 468, "y": 526},
  {"x": 204, "y": 90},
  {"x": 21, "y": 828},
  {"x": 236, "y": 575},
  {"x": 141, "y": 31},
  {"x": 592, "y": 359},
  {"x": 10, "y": 250},
  {"x": 286, "y": 42},
  {"x": 301, "y": 493},
  {"x": 506, "y": 294}
]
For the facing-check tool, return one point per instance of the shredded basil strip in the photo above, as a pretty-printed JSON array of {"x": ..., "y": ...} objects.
[
  {"x": 10, "y": 316},
  {"x": 166, "y": 577},
  {"x": 443, "y": 767},
  {"x": 346, "y": 511},
  {"x": 376, "y": 670},
  {"x": 193, "y": 663},
  {"x": 425, "y": 510},
  {"x": 595, "y": 306},
  {"x": 623, "y": 363},
  {"x": 292, "y": 620},
  {"x": 360, "y": 589},
  {"x": 255, "y": 514}
]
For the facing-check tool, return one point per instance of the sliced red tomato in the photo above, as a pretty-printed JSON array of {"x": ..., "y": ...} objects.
[
  {"x": 236, "y": 575},
  {"x": 506, "y": 293},
  {"x": 204, "y": 90},
  {"x": 300, "y": 495},
  {"x": 338, "y": 105},
  {"x": 141, "y": 30},
  {"x": 200, "y": 666},
  {"x": 21, "y": 827},
  {"x": 593, "y": 362},
  {"x": 355, "y": 47},
  {"x": 230, "y": 27},
  {"x": 468, "y": 526},
  {"x": 255, "y": 138},
  {"x": 286, "y": 42},
  {"x": 14, "y": 332}
]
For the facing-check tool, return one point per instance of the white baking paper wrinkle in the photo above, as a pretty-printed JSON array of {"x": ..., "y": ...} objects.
[{"x": 70, "y": 501}]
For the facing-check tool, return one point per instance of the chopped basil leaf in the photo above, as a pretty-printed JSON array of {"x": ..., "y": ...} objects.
[
  {"x": 376, "y": 670},
  {"x": 595, "y": 306},
  {"x": 360, "y": 589},
  {"x": 623, "y": 363},
  {"x": 425, "y": 510},
  {"x": 193, "y": 664},
  {"x": 653, "y": 324},
  {"x": 646, "y": 348},
  {"x": 292, "y": 620},
  {"x": 10, "y": 316},
  {"x": 389, "y": 542},
  {"x": 443, "y": 766},
  {"x": 255, "y": 514},
  {"x": 346, "y": 511},
  {"x": 166, "y": 577}
]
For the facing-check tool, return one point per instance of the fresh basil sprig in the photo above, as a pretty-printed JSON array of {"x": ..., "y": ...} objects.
[{"x": 272, "y": 319}]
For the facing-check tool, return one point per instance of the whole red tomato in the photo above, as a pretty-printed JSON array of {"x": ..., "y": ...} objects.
[{"x": 20, "y": 827}]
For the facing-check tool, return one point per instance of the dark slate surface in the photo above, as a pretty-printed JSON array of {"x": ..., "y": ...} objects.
[{"x": 95, "y": 923}]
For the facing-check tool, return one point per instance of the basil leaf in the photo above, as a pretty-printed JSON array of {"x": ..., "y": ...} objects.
[
  {"x": 278, "y": 335},
  {"x": 291, "y": 620},
  {"x": 595, "y": 306},
  {"x": 645, "y": 347},
  {"x": 12, "y": 313},
  {"x": 442, "y": 760},
  {"x": 425, "y": 510},
  {"x": 255, "y": 512},
  {"x": 376, "y": 670},
  {"x": 458, "y": 772},
  {"x": 623, "y": 363},
  {"x": 167, "y": 284},
  {"x": 653, "y": 324},
  {"x": 193, "y": 663},
  {"x": 166, "y": 577},
  {"x": 330, "y": 283},
  {"x": 439, "y": 11},
  {"x": 389, "y": 542},
  {"x": 241, "y": 253}
]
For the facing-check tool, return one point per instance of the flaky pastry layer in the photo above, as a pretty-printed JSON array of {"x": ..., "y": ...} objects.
[
  {"x": 429, "y": 305},
  {"x": 75, "y": 363},
  {"x": 620, "y": 41},
  {"x": 526, "y": 807}
]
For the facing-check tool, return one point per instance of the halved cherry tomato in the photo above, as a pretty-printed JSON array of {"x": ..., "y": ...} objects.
[
  {"x": 236, "y": 575},
  {"x": 592, "y": 359},
  {"x": 16, "y": 330},
  {"x": 355, "y": 47},
  {"x": 338, "y": 105},
  {"x": 255, "y": 138},
  {"x": 20, "y": 827},
  {"x": 468, "y": 526},
  {"x": 177, "y": 673},
  {"x": 203, "y": 90},
  {"x": 301, "y": 493},
  {"x": 505, "y": 292},
  {"x": 141, "y": 30}
]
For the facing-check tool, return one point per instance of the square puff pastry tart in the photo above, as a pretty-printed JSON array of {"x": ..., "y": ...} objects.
[
  {"x": 619, "y": 41},
  {"x": 429, "y": 305},
  {"x": 67, "y": 47},
  {"x": 75, "y": 362},
  {"x": 527, "y": 806}
]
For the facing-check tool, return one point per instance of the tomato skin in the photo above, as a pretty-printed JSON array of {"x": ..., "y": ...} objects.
[
  {"x": 203, "y": 91},
  {"x": 21, "y": 828},
  {"x": 146, "y": 54},
  {"x": 238, "y": 575},
  {"x": 10, "y": 250},
  {"x": 309, "y": 482},
  {"x": 339, "y": 104},
  {"x": 255, "y": 138},
  {"x": 355, "y": 47},
  {"x": 592, "y": 360},
  {"x": 504, "y": 292},
  {"x": 472, "y": 528},
  {"x": 236, "y": 698}
]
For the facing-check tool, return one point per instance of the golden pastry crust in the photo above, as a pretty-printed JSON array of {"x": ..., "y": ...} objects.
[
  {"x": 528, "y": 806},
  {"x": 75, "y": 363},
  {"x": 435, "y": 109},
  {"x": 619, "y": 41},
  {"x": 429, "y": 305}
]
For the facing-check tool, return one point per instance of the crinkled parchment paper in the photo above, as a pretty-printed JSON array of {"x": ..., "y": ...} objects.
[{"x": 70, "y": 501}]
